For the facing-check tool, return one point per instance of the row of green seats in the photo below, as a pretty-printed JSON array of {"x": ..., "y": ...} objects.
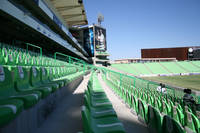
[
  {"x": 97, "y": 113},
  {"x": 25, "y": 59},
  {"x": 157, "y": 109},
  {"x": 10, "y": 56},
  {"x": 22, "y": 87},
  {"x": 25, "y": 78}
]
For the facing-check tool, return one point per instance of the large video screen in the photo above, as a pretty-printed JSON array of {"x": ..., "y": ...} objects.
[
  {"x": 100, "y": 39},
  {"x": 89, "y": 41}
]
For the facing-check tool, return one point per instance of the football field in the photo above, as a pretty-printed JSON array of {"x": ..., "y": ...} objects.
[{"x": 191, "y": 81}]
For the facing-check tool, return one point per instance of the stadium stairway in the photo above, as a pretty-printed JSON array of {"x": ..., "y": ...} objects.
[
  {"x": 196, "y": 63},
  {"x": 165, "y": 68},
  {"x": 134, "y": 68},
  {"x": 124, "y": 113},
  {"x": 66, "y": 118},
  {"x": 182, "y": 67},
  {"x": 131, "y": 69},
  {"x": 156, "y": 68},
  {"x": 148, "y": 68}
]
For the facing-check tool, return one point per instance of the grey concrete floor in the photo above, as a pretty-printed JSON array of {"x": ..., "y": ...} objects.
[
  {"x": 129, "y": 120},
  {"x": 66, "y": 118}
]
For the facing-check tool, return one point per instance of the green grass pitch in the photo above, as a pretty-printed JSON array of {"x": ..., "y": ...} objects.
[{"x": 189, "y": 81}]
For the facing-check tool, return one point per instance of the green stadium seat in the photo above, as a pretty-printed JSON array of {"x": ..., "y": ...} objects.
[
  {"x": 2, "y": 59},
  {"x": 134, "y": 102},
  {"x": 98, "y": 114},
  {"x": 101, "y": 125},
  {"x": 8, "y": 91},
  {"x": 143, "y": 110},
  {"x": 97, "y": 103},
  {"x": 166, "y": 109},
  {"x": 45, "y": 81},
  {"x": 20, "y": 60},
  {"x": 176, "y": 114},
  {"x": 171, "y": 126},
  {"x": 196, "y": 123},
  {"x": 128, "y": 97},
  {"x": 100, "y": 111},
  {"x": 155, "y": 119},
  {"x": 4, "y": 52},
  {"x": 93, "y": 96},
  {"x": 9, "y": 110},
  {"x": 10, "y": 60},
  {"x": 189, "y": 124},
  {"x": 52, "y": 79},
  {"x": 36, "y": 83}
]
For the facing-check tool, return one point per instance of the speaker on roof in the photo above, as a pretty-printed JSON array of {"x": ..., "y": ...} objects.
[
  {"x": 83, "y": 11},
  {"x": 80, "y": 1}
]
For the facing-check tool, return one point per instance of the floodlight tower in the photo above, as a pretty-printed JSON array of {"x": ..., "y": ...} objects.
[{"x": 100, "y": 19}]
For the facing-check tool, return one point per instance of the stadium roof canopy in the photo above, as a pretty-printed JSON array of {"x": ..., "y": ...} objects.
[{"x": 72, "y": 11}]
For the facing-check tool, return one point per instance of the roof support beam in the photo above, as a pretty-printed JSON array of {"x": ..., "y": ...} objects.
[
  {"x": 81, "y": 22},
  {"x": 64, "y": 8},
  {"x": 71, "y": 16}
]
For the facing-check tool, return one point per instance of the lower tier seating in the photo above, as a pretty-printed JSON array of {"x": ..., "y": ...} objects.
[
  {"x": 161, "y": 112},
  {"x": 98, "y": 114}
]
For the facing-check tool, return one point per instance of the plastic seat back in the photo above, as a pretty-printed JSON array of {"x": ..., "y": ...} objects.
[
  {"x": 2, "y": 58},
  {"x": 43, "y": 75},
  {"x": 10, "y": 60},
  {"x": 86, "y": 119},
  {"x": 171, "y": 126},
  {"x": 20, "y": 60},
  {"x": 6, "y": 82},
  {"x": 50, "y": 73},
  {"x": 34, "y": 77},
  {"x": 196, "y": 123},
  {"x": 189, "y": 121},
  {"x": 4, "y": 52},
  {"x": 22, "y": 78},
  {"x": 154, "y": 119}
]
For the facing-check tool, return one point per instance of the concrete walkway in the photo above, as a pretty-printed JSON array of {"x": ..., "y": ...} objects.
[
  {"x": 130, "y": 121},
  {"x": 66, "y": 118}
]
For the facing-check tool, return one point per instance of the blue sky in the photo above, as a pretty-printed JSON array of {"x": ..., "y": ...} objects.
[{"x": 135, "y": 24}]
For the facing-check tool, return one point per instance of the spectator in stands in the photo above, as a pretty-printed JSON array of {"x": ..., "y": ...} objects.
[
  {"x": 162, "y": 89},
  {"x": 188, "y": 99},
  {"x": 159, "y": 87}
]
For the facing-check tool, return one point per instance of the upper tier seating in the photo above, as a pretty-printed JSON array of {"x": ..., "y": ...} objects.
[{"x": 27, "y": 77}]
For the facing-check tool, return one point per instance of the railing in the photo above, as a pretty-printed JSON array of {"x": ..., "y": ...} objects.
[
  {"x": 136, "y": 82},
  {"x": 28, "y": 44},
  {"x": 73, "y": 60}
]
